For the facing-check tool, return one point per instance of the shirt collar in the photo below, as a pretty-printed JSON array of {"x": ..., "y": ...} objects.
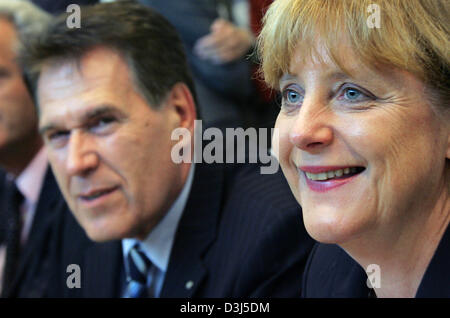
[
  {"x": 29, "y": 182},
  {"x": 158, "y": 244}
]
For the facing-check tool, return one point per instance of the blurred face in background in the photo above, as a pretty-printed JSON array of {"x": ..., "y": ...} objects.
[
  {"x": 109, "y": 149},
  {"x": 18, "y": 118},
  {"x": 363, "y": 153}
]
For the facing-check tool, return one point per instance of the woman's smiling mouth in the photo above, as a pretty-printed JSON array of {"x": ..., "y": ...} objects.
[{"x": 325, "y": 178}]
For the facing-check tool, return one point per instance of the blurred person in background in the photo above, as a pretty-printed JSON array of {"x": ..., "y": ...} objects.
[{"x": 33, "y": 215}]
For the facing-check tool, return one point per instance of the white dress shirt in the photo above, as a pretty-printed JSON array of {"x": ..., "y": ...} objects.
[{"x": 158, "y": 244}]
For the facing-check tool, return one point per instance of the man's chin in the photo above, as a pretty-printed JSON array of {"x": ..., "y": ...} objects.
[{"x": 101, "y": 236}]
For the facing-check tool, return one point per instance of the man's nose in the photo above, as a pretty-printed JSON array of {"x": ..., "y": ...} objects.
[
  {"x": 82, "y": 157},
  {"x": 312, "y": 129}
]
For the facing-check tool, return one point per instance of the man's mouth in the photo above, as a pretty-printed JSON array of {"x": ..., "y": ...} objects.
[
  {"x": 335, "y": 174},
  {"x": 95, "y": 194}
]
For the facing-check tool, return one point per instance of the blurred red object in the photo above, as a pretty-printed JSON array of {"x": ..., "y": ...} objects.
[{"x": 257, "y": 10}]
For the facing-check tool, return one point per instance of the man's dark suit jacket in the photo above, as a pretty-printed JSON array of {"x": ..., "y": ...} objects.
[
  {"x": 332, "y": 273},
  {"x": 55, "y": 241},
  {"x": 241, "y": 235}
]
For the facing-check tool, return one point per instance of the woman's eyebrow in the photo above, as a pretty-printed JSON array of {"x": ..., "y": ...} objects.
[{"x": 288, "y": 77}]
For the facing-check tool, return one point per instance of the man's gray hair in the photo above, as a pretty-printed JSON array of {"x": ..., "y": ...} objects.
[{"x": 27, "y": 18}]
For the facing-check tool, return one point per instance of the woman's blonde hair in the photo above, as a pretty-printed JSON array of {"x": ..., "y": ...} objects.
[{"x": 413, "y": 35}]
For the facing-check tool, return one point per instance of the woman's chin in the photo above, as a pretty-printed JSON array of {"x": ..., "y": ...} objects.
[{"x": 331, "y": 230}]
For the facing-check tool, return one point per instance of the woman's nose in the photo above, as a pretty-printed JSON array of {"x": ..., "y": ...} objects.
[{"x": 312, "y": 130}]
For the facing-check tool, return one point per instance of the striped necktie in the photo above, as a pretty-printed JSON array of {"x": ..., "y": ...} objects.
[
  {"x": 14, "y": 199},
  {"x": 138, "y": 269}
]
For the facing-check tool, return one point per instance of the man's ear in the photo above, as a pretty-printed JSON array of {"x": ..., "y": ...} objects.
[{"x": 183, "y": 104}]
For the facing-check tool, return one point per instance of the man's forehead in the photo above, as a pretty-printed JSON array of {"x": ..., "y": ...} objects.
[
  {"x": 96, "y": 63},
  {"x": 67, "y": 78},
  {"x": 59, "y": 73}
]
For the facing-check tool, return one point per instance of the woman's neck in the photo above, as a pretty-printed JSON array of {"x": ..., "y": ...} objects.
[{"x": 403, "y": 254}]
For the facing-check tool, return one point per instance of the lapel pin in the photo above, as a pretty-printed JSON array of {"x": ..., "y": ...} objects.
[{"x": 189, "y": 284}]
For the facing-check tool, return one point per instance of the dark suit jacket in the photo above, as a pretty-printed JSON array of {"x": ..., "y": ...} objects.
[
  {"x": 240, "y": 235},
  {"x": 55, "y": 241},
  {"x": 332, "y": 273}
]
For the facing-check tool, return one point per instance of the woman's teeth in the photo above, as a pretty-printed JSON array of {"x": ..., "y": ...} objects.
[{"x": 331, "y": 174}]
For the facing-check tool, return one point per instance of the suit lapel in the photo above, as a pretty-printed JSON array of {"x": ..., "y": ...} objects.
[{"x": 196, "y": 231}]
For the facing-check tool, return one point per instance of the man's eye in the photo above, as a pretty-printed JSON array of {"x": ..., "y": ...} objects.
[
  {"x": 57, "y": 138},
  {"x": 57, "y": 135},
  {"x": 4, "y": 73},
  {"x": 102, "y": 124},
  {"x": 105, "y": 121}
]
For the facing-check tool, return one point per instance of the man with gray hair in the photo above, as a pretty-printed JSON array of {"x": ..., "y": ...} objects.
[{"x": 31, "y": 206}]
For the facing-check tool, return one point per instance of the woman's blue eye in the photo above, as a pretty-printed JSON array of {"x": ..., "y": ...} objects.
[
  {"x": 292, "y": 99},
  {"x": 292, "y": 96},
  {"x": 352, "y": 94}
]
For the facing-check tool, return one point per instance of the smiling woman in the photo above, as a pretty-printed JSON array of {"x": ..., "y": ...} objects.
[{"x": 365, "y": 137}]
